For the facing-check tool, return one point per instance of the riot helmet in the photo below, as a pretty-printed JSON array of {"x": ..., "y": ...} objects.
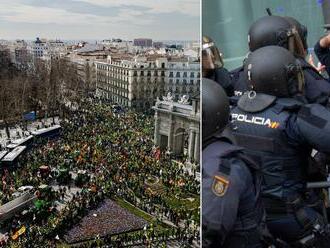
[
  {"x": 273, "y": 70},
  {"x": 215, "y": 108},
  {"x": 211, "y": 57},
  {"x": 276, "y": 31}
]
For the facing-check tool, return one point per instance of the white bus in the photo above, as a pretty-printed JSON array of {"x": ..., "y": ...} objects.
[{"x": 12, "y": 157}]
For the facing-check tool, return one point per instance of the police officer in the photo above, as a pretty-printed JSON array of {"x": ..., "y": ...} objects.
[
  {"x": 322, "y": 51},
  {"x": 290, "y": 34},
  {"x": 212, "y": 65},
  {"x": 278, "y": 131},
  {"x": 231, "y": 209}
]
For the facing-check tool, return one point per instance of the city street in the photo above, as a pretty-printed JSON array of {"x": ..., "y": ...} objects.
[{"x": 18, "y": 133}]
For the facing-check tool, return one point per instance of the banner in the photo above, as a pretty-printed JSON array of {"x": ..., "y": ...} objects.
[{"x": 19, "y": 233}]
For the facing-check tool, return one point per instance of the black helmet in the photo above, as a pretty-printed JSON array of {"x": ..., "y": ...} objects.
[
  {"x": 302, "y": 30},
  {"x": 276, "y": 31},
  {"x": 211, "y": 57},
  {"x": 275, "y": 71},
  {"x": 215, "y": 108}
]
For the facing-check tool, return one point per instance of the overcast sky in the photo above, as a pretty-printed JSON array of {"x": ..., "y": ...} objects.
[{"x": 100, "y": 19}]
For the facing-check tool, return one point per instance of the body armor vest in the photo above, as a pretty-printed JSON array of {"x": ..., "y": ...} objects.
[{"x": 263, "y": 134}]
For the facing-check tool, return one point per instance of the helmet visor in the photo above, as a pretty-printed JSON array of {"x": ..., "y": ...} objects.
[{"x": 211, "y": 57}]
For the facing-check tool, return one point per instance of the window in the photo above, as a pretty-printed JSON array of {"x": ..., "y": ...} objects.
[
  {"x": 192, "y": 74},
  {"x": 171, "y": 74},
  {"x": 177, "y": 74},
  {"x": 185, "y": 74}
]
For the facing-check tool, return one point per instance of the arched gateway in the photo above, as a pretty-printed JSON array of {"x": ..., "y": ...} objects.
[{"x": 177, "y": 126}]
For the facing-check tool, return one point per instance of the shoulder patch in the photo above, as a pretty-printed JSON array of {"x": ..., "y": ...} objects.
[{"x": 220, "y": 185}]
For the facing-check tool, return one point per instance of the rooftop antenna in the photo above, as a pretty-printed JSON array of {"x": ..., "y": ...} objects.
[{"x": 269, "y": 12}]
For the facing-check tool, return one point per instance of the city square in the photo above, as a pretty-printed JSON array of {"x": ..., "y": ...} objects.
[{"x": 99, "y": 143}]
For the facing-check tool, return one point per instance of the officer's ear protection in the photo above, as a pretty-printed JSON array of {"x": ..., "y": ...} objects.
[{"x": 295, "y": 78}]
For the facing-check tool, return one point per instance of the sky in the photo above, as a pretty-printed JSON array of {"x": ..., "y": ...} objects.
[{"x": 100, "y": 19}]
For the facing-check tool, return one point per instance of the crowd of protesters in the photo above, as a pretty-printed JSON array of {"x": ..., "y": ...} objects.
[{"x": 115, "y": 149}]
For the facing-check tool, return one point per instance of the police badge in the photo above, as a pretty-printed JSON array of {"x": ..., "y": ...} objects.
[{"x": 220, "y": 185}]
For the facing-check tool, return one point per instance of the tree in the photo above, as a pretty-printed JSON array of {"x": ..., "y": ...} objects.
[{"x": 42, "y": 86}]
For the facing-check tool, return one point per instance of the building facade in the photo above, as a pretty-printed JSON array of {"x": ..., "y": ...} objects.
[
  {"x": 142, "y": 42},
  {"x": 182, "y": 78},
  {"x": 52, "y": 49},
  {"x": 85, "y": 69},
  {"x": 138, "y": 82},
  {"x": 22, "y": 56},
  {"x": 39, "y": 48},
  {"x": 132, "y": 83}
]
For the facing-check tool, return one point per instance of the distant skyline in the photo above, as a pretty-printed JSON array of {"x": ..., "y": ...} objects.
[
  {"x": 94, "y": 41},
  {"x": 100, "y": 19}
]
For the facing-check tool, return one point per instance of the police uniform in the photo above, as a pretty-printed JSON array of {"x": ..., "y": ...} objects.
[
  {"x": 238, "y": 81},
  {"x": 279, "y": 133},
  {"x": 222, "y": 77},
  {"x": 317, "y": 88},
  {"x": 231, "y": 209}
]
